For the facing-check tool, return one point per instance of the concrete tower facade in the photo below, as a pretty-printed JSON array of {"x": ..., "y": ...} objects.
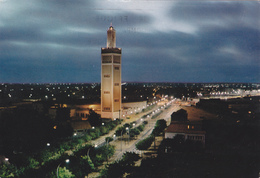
[{"x": 111, "y": 77}]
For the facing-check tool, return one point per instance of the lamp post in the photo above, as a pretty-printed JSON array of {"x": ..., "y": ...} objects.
[
  {"x": 107, "y": 149},
  {"x": 128, "y": 129},
  {"x": 67, "y": 161},
  {"x": 121, "y": 140}
]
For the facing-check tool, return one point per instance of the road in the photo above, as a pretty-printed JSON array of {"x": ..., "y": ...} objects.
[{"x": 126, "y": 145}]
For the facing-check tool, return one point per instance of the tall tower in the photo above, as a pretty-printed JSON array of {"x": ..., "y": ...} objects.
[{"x": 111, "y": 77}]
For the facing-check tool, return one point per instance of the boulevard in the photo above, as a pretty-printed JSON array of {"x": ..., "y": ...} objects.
[{"x": 125, "y": 144}]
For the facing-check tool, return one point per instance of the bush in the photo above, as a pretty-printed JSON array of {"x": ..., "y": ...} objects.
[
  {"x": 159, "y": 127},
  {"x": 104, "y": 130},
  {"x": 145, "y": 143},
  {"x": 109, "y": 139},
  {"x": 140, "y": 128},
  {"x": 118, "y": 168},
  {"x": 87, "y": 138},
  {"x": 120, "y": 130},
  {"x": 145, "y": 122},
  {"x": 8, "y": 170},
  {"x": 134, "y": 132}
]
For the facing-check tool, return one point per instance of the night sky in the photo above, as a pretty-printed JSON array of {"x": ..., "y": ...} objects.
[{"x": 59, "y": 41}]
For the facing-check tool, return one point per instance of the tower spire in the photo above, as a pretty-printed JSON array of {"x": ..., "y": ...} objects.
[{"x": 111, "y": 37}]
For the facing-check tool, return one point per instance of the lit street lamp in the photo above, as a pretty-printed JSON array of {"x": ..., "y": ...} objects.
[{"x": 67, "y": 161}]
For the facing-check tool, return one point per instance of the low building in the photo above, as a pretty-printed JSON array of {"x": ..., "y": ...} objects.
[
  {"x": 190, "y": 131},
  {"x": 80, "y": 127}
]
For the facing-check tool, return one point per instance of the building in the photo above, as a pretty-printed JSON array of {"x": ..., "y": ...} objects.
[
  {"x": 189, "y": 130},
  {"x": 111, "y": 77},
  {"x": 181, "y": 125}
]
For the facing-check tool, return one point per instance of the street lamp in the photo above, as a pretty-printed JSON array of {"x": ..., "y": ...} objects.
[
  {"x": 121, "y": 139},
  {"x": 67, "y": 161},
  {"x": 128, "y": 129}
]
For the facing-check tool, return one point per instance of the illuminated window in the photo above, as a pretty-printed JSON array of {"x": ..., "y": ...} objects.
[
  {"x": 192, "y": 127},
  {"x": 188, "y": 126}
]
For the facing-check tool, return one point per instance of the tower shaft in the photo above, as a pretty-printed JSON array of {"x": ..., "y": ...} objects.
[{"x": 111, "y": 77}]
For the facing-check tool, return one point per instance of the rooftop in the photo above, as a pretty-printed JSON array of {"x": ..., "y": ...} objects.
[{"x": 187, "y": 127}]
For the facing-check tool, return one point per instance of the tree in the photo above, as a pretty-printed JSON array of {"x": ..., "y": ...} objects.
[
  {"x": 104, "y": 130},
  {"x": 159, "y": 126},
  {"x": 118, "y": 168},
  {"x": 109, "y": 139},
  {"x": 87, "y": 165},
  {"x": 145, "y": 143},
  {"x": 113, "y": 170},
  {"x": 120, "y": 130},
  {"x": 180, "y": 115},
  {"x": 94, "y": 118},
  {"x": 62, "y": 172},
  {"x": 7, "y": 170},
  {"x": 65, "y": 173},
  {"x": 129, "y": 158},
  {"x": 134, "y": 132}
]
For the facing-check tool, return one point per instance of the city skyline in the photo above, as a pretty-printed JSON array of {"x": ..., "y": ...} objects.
[{"x": 169, "y": 41}]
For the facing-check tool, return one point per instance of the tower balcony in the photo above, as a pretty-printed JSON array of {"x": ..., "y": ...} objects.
[{"x": 111, "y": 50}]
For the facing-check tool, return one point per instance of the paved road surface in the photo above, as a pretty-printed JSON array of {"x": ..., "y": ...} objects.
[{"x": 126, "y": 145}]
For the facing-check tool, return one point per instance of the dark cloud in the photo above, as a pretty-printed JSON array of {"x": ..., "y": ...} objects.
[{"x": 60, "y": 41}]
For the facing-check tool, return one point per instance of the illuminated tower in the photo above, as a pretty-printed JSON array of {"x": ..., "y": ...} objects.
[{"x": 110, "y": 77}]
